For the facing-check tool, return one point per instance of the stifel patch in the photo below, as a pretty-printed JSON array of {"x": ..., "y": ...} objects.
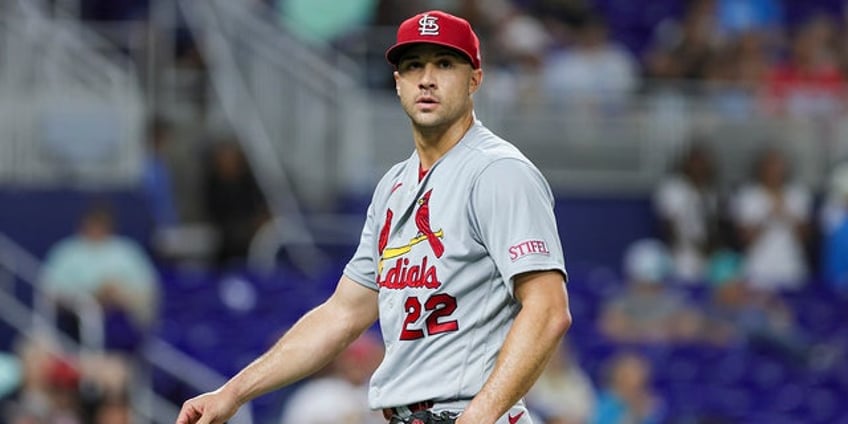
[{"x": 528, "y": 247}]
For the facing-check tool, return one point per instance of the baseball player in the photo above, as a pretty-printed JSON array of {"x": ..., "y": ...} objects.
[{"x": 459, "y": 259}]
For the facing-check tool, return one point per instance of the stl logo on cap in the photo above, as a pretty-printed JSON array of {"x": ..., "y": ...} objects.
[
  {"x": 440, "y": 28},
  {"x": 427, "y": 25}
]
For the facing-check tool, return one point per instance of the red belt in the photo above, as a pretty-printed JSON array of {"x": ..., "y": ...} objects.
[{"x": 388, "y": 413}]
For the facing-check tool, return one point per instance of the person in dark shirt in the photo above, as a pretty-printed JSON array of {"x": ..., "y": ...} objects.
[{"x": 234, "y": 202}]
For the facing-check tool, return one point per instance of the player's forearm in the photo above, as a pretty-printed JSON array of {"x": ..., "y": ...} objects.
[
  {"x": 307, "y": 347},
  {"x": 531, "y": 341}
]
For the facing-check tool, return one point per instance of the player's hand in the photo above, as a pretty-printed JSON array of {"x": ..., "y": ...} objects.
[
  {"x": 469, "y": 418},
  {"x": 209, "y": 408}
]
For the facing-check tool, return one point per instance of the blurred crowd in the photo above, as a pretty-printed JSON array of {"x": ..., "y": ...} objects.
[
  {"x": 775, "y": 225},
  {"x": 747, "y": 57}
]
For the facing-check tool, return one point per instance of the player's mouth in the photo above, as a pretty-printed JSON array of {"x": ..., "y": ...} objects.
[{"x": 426, "y": 102}]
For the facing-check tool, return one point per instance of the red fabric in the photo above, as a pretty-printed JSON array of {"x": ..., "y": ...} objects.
[
  {"x": 422, "y": 221},
  {"x": 785, "y": 79},
  {"x": 384, "y": 232},
  {"x": 436, "y": 27},
  {"x": 62, "y": 374}
]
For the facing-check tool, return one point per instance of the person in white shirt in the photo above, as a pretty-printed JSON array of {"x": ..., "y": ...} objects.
[
  {"x": 687, "y": 205},
  {"x": 771, "y": 215}
]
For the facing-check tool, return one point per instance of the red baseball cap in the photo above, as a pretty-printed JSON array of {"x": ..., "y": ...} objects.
[{"x": 436, "y": 27}]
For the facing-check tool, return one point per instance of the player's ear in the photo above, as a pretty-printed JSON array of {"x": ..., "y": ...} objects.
[
  {"x": 475, "y": 80},
  {"x": 397, "y": 77}
]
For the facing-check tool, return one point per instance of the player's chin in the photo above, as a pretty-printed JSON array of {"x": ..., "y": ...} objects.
[{"x": 427, "y": 118}]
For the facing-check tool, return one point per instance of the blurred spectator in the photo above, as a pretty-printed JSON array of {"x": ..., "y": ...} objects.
[
  {"x": 49, "y": 387},
  {"x": 563, "y": 394},
  {"x": 738, "y": 75},
  {"x": 393, "y": 12},
  {"x": 739, "y": 314},
  {"x": 59, "y": 388},
  {"x": 339, "y": 394},
  {"x": 834, "y": 225},
  {"x": 561, "y": 17},
  {"x": 595, "y": 69},
  {"x": 627, "y": 396},
  {"x": 234, "y": 202},
  {"x": 522, "y": 41},
  {"x": 759, "y": 320},
  {"x": 738, "y": 16},
  {"x": 112, "y": 269},
  {"x": 684, "y": 50},
  {"x": 157, "y": 179},
  {"x": 520, "y": 47},
  {"x": 325, "y": 20},
  {"x": 771, "y": 215},
  {"x": 810, "y": 82},
  {"x": 687, "y": 204},
  {"x": 648, "y": 310}
]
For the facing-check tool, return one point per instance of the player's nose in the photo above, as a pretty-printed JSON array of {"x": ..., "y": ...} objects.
[{"x": 428, "y": 79}]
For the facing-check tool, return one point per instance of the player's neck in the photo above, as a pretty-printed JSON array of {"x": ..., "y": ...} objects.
[{"x": 433, "y": 143}]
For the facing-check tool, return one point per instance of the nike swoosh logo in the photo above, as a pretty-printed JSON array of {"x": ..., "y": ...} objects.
[
  {"x": 396, "y": 186},
  {"x": 513, "y": 420}
]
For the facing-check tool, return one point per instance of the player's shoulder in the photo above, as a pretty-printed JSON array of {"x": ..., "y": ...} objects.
[{"x": 485, "y": 148}]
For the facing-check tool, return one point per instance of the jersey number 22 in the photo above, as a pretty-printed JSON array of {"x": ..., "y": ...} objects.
[{"x": 437, "y": 306}]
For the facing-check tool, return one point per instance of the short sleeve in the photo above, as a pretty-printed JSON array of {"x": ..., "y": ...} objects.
[
  {"x": 361, "y": 267},
  {"x": 512, "y": 212}
]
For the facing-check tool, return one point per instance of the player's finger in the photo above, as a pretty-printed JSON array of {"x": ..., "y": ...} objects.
[
  {"x": 187, "y": 414},
  {"x": 207, "y": 419}
]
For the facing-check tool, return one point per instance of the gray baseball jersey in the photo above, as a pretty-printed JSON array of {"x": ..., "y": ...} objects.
[{"x": 442, "y": 249}]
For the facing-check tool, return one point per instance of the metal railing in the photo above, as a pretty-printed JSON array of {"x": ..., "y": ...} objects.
[
  {"x": 288, "y": 106},
  {"x": 39, "y": 319},
  {"x": 70, "y": 108}
]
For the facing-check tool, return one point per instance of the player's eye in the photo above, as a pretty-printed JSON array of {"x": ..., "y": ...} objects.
[
  {"x": 445, "y": 63},
  {"x": 410, "y": 65}
]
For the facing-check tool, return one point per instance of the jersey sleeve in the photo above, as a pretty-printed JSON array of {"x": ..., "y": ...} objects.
[
  {"x": 512, "y": 212},
  {"x": 361, "y": 267}
]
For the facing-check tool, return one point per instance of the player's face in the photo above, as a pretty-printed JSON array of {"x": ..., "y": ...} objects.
[{"x": 435, "y": 85}]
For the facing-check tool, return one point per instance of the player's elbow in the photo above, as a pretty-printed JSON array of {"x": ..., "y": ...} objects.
[
  {"x": 555, "y": 320},
  {"x": 561, "y": 322},
  {"x": 559, "y": 314}
]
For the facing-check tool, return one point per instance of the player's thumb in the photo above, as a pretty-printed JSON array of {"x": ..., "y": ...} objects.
[
  {"x": 186, "y": 416},
  {"x": 207, "y": 418},
  {"x": 214, "y": 416}
]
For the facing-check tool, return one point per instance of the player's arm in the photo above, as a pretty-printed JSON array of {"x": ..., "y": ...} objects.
[
  {"x": 538, "y": 328},
  {"x": 308, "y": 346}
]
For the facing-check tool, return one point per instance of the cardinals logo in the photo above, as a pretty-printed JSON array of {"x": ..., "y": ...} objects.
[
  {"x": 422, "y": 221},
  {"x": 425, "y": 233}
]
